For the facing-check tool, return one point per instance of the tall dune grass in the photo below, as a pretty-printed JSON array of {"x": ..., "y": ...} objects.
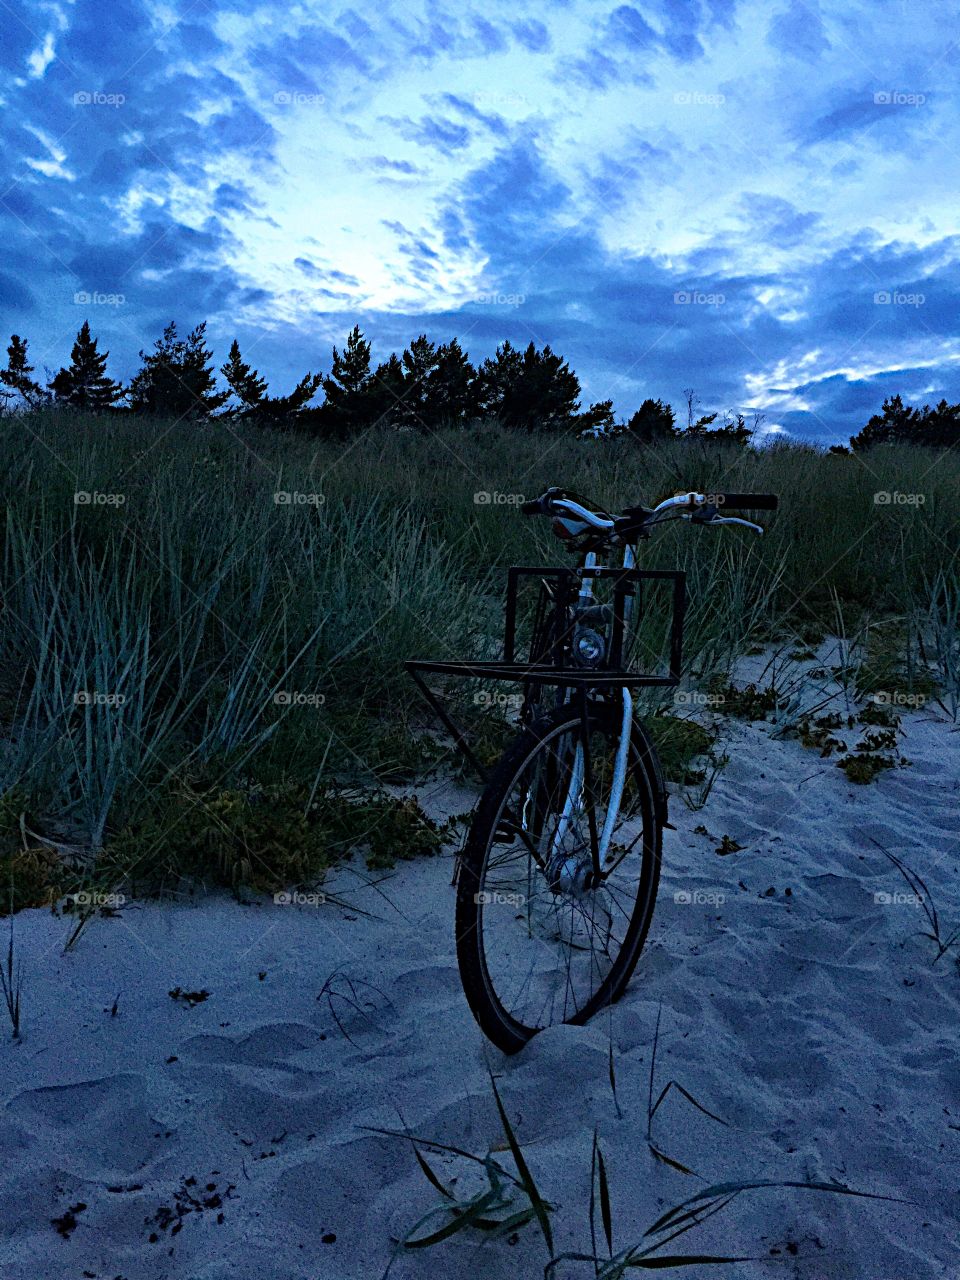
[{"x": 188, "y": 619}]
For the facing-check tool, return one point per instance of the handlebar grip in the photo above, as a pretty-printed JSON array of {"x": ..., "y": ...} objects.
[
  {"x": 534, "y": 508},
  {"x": 747, "y": 501}
]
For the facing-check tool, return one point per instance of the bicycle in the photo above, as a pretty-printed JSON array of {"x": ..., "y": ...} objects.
[{"x": 558, "y": 876}]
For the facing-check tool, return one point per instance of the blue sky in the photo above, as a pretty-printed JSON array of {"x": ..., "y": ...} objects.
[{"x": 756, "y": 200}]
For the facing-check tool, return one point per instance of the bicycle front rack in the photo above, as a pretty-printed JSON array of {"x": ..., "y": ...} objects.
[{"x": 579, "y": 680}]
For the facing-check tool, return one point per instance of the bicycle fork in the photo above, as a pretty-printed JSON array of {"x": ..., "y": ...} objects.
[{"x": 570, "y": 874}]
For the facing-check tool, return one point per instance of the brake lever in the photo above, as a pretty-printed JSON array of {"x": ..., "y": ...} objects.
[{"x": 715, "y": 519}]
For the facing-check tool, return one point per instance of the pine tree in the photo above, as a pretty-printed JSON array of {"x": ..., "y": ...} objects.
[
  {"x": 419, "y": 361},
  {"x": 176, "y": 378},
  {"x": 16, "y": 376},
  {"x": 534, "y": 391},
  {"x": 251, "y": 390},
  {"x": 900, "y": 423},
  {"x": 245, "y": 383},
  {"x": 451, "y": 387},
  {"x": 84, "y": 384},
  {"x": 386, "y": 392},
  {"x": 296, "y": 401},
  {"x": 495, "y": 378},
  {"x": 347, "y": 387},
  {"x": 598, "y": 419},
  {"x": 652, "y": 422}
]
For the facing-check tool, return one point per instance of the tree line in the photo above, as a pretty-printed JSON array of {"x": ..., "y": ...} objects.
[{"x": 430, "y": 385}]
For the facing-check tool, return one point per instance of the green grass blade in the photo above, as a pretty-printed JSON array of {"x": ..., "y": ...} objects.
[
  {"x": 605, "y": 1202},
  {"x": 539, "y": 1204}
]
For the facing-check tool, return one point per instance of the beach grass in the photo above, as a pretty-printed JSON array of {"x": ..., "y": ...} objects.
[{"x": 206, "y": 624}]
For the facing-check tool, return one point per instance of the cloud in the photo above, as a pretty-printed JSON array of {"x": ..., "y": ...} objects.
[
  {"x": 445, "y": 136},
  {"x": 533, "y": 35},
  {"x": 14, "y": 294},
  {"x": 870, "y": 110},
  {"x": 798, "y": 30},
  {"x": 285, "y": 175},
  {"x": 627, "y": 25}
]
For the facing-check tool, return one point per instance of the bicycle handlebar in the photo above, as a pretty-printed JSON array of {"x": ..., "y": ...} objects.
[
  {"x": 558, "y": 503},
  {"x": 747, "y": 501}
]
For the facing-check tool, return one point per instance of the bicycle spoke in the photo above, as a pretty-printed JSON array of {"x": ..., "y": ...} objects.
[{"x": 550, "y": 932}]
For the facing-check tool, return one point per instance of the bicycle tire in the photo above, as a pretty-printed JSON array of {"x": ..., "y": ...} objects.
[{"x": 497, "y": 1022}]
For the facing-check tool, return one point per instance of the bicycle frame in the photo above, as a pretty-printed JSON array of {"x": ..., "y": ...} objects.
[
  {"x": 580, "y": 770},
  {"x": 574, "y": 680}
]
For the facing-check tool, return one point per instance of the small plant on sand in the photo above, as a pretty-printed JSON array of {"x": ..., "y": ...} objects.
[
  {"x": 340, "y": 987},
  {"x": 645, "y": 1254},
  {"x": 862, "y": 767},
  {"x": 489, "y": 734},
  {"x": 696, "y": 797},
  {"x": 510, "y": 1200},
  {"x": 749, "y": 703},
  {"x": 653, "y": 1107},
  {"x": 893, "y": 663},
  {"x": 816, "y": 734},
  {"x": 11, "y": 981},
  {"x": 919, "y": 888},
  {"x": 867, "y": 760},
  {"x": 679, "y": 741},
  {"x": 880, "y": 714},
  {"x": 394, "y": 754}
]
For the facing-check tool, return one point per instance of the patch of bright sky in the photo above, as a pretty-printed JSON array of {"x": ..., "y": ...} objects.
[{"x": 731, "y": 123}]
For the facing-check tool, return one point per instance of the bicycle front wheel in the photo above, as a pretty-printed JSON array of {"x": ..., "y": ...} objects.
[{"x": 541, "y": 939}]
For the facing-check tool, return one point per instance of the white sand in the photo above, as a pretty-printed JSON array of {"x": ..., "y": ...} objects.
[{"x": 813, "y": 1023}]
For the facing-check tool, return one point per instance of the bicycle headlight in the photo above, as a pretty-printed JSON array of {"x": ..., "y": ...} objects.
[{"x": 588, "y": 647}]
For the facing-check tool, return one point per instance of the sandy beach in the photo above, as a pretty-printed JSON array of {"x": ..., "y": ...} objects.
[{"x": 223, "y": 1135}]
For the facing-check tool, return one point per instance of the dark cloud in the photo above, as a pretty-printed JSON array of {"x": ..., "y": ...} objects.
[
  {"x": 778, "y": 221},
  {"x": 394, "y": 166},
  {"x": 496, "y": 124},
  {"x": 798, "y": 30},
  {"x": 445, "y": 136},
  {"x": 879, "y": 111},
  {"x": 628, "y": 26},
  {"x": 14, "y": 294},
  {"x": 533, "y": 35}
]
